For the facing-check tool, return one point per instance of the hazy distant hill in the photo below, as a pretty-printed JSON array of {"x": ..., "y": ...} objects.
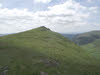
[
  {"x": 3, "y": 34},
  {"x": 43, "y": 52},
  {"x": 69, "y": 36},
  {"x": 86, "y": 38},
  {"x": 90, "y": 41}
]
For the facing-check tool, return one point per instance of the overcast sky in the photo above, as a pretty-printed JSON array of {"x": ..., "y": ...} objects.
[{"x": 64, "y": 16}]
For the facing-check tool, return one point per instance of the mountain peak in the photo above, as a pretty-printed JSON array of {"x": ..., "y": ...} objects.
[
  {"x": 43, "y": 28},
  {"x": 40, "y": 50}
]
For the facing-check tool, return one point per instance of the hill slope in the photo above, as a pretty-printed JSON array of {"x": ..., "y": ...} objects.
[
  {"x": 90, "y": 41},
  {"x": 43, "y": 52},
  {"x": 93, "y": 48},
  {"x": 86, "y": 38}
]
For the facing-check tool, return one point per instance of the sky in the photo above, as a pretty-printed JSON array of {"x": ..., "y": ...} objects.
[{"x": 63, "y": 16}]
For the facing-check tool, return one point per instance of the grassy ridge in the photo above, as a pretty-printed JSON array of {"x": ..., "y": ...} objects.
[
  {"x": 42, "y": 51},
  {"x": 86, "y": 38},
  {"x": 93, "y": 48},
  {"x": 90, "y": 41}
]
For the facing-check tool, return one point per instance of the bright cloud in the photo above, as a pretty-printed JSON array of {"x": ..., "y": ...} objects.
[
  {"x": 89, "y": 1},
  {"x": 71, "y": 17},
  {"x": 94, "y": 9},
  {"x": 42, "y": 1}
]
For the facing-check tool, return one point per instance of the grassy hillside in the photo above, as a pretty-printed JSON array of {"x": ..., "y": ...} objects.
[
  {"x": 93, "y": 48},
  {"x": 90, "y": 41},
  {"x": 43, "y": 52},
  {"x": 87, "y": 38}
]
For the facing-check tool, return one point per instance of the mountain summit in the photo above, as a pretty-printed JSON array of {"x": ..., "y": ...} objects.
[
  {"x": 43, "y": 28},
  {"x": 43, "y": 52}
]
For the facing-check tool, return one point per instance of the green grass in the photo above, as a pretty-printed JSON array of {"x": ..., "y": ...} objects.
[
  {"x": 86, "y": 38},
  {"x": 90, "y": 41},
  {"x": 93, "y": 48},
  {"x": 41, "y": 50}
]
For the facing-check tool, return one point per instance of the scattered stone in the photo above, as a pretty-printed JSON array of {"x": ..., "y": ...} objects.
[
  {"x": 43, "y": 73},
  {"x": 4, "y": 70},
  {"x": 43, "y": 28},
  {"x": 48, "y": 62}
]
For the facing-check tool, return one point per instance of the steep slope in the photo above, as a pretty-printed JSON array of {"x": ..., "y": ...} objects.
[
  {"x": 90, "y": 41},
  {"x": 87, "y": 38},
  {"x": 43, "y": 52},
  {"x": 93, "y": 48}
]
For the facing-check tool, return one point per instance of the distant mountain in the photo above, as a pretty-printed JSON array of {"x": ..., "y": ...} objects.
[
  {"x": 86, "y": 38},
  {"x": 3, "y": 34},
  {"x": 69, "y": 36},
  {"x": 43, "y": 52},
  {"x": 90, "y": 41}
]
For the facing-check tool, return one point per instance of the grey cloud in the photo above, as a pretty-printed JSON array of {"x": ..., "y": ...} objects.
[{"x": 54, "y": 15}]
